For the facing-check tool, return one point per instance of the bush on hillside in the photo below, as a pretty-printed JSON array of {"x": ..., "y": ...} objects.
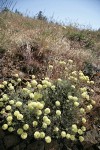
[
  {"x": 40, "y": 16},
  {"x": 83, "y": 37}
]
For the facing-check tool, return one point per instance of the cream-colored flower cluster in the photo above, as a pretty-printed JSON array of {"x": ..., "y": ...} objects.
[{"x": 48, "y": 107}]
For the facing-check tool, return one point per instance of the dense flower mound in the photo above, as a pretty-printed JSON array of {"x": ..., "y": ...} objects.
[{"x": 48, "y": 108}]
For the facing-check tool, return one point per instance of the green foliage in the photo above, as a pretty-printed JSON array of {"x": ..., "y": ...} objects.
[
  {"x": 5, "y": 9},
  {"x": 60, "y": 94},
  {"x": 18, "y": 12},
  {"x": 90, "y": 70},
  {"x": 83, "y": 37},
  {"x": 40, "y": 16}
]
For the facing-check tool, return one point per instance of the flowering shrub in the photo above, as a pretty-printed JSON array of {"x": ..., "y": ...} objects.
[{"x": 48, "y": 108}]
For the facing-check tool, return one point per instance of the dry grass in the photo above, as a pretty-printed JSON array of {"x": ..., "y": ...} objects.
[{"x": 52, "y": 40}]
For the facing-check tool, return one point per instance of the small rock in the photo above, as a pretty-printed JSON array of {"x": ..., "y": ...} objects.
[
  {"x": 11, "y": 140},
  {"x": 22, "y": 146},
  {"x": 2, "y": 145},
  {"x": 52, "y": 146},
  {"x": 91, "y": 138},
  {"x": 2, "y": 134},
  {"x": 38, "y": 145},
  {"x": 16, "y": 148}
]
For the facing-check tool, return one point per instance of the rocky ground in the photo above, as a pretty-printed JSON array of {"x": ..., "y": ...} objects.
[{"x": 13, "y": 142}]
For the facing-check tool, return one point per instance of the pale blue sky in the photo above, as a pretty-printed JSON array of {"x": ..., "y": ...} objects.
[{"x": 84, "y": 12}]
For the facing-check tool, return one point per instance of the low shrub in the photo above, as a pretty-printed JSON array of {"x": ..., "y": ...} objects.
[
  {"x": 48, "y": 108},
  {"x": 84, "y": 38}
]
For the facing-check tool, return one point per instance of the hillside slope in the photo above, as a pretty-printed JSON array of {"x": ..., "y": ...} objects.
[{"x": 46, "y": 41}]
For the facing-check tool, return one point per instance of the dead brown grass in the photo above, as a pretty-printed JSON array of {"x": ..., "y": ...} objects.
[{"x": 50, "y": 39}]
